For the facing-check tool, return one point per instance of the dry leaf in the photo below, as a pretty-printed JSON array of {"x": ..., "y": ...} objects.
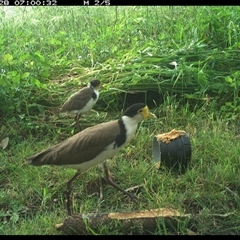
[{"x": 4, "y": 143}]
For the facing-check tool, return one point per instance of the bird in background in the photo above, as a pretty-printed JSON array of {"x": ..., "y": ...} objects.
[
  {"x": 93, "y": 146},
  {"x": 82, "y": 101}
]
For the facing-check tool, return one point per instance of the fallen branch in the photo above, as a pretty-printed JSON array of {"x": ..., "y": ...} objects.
[{"x": 139, "y": 222}]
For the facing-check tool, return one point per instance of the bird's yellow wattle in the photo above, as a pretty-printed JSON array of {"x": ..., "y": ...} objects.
[{"x": 147, "y": 114}]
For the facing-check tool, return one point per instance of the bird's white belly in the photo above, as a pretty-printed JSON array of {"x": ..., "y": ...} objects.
[
  {"x": 88, "y": 106},
  {"x": 108, "y": 153}
]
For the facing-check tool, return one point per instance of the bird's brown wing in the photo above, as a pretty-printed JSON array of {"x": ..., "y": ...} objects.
[
  {"x": 78, "y": 100},
  {"x": 79, "y": 148}
]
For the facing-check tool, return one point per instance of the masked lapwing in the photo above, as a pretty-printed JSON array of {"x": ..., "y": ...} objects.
[
  {"x": 94, "y": 145},
  {"x": 82, "y": 101}
]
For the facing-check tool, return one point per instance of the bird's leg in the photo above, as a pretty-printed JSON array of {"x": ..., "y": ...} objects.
[
  {"x": 110, "y": 182},
  {"x": 77, "y": 122},
  {"x": 69, "y": 188},
  {"x": 100, "y": 183}
]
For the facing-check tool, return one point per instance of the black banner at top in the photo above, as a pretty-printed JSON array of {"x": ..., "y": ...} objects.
[
  {"x": 94, "y": 3},
  {"x": 66, "y": 3}
]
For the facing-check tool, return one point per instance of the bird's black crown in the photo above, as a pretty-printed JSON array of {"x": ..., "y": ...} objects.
[
  {"x": 95, "y": 83},
  {"x": 133, "y": 109}
]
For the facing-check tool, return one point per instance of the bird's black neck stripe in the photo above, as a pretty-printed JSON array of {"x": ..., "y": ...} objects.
[
  {"x": 121, "y": 138},
  {"x": 94, "y": 95}
]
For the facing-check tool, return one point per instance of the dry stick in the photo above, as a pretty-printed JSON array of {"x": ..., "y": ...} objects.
[
  {"x": 220, "y": 215},
  {"x": 134, "y": 187}
]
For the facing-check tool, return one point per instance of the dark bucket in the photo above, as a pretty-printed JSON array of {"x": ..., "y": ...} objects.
[{"x": 174, "y": 153}]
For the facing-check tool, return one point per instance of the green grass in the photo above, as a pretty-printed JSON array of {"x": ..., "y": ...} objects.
[
  {"x": 48, "y": 53},
  {"x": 32, "y": 199},
  {"x": 61, "y": 48}
]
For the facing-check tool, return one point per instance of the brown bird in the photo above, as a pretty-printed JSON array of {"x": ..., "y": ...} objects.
[
  {"x": 94, "y": 145},
  {"x": 82, "y": 101}
]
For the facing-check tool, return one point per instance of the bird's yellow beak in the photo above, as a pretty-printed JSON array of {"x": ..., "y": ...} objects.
[{"x": 147, "y": 114}]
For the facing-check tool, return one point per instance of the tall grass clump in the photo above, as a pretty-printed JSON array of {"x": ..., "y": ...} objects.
[
  {"x": 186, "y": 60},
  {"x": 127, "y": 47}
]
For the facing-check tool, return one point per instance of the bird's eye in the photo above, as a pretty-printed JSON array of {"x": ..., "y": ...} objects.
[{"x": 140, "y": 110}]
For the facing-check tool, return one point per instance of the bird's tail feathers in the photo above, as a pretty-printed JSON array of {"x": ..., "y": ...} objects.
[{"x": 38, "y": 159}]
